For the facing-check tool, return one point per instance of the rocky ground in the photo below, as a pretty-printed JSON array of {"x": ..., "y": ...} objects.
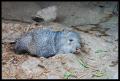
[{"x": 98, "y": 28}]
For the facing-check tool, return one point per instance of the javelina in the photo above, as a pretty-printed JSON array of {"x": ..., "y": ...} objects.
[{"x": 46, "y": 42}]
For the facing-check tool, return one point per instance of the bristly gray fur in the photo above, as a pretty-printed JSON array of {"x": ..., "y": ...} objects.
[{"x": 46, "y": 43}]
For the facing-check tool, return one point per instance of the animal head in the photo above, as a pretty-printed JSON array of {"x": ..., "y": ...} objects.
[{"x": 70, "y": 42}]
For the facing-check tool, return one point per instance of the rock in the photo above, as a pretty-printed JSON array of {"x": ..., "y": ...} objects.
[
  {"x": 30, "y": 66},
  {"x": 115, "y": 76},
  {"x": 113, "y": 25},
  {"x": 46, "y": 14},
  {"x": 50, "y": 76},
  {"x": 15, "y": 11}
]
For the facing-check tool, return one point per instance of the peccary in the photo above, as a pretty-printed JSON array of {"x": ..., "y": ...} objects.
[{"x": 46, "y": 42}]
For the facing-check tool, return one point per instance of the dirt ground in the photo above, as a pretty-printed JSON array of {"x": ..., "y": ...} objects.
[{"x": 98, "y": 58}]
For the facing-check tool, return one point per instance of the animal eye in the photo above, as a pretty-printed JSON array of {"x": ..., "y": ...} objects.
[{"x": 71, "y": 40}]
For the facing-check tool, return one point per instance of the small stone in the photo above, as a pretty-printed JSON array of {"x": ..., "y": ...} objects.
[
  {"x": 46, "y": 14},
  {"x": 53, "y": 76}
]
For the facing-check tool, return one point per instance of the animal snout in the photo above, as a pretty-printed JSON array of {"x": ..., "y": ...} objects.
[
  {"x": 77, "y": 51},
  {"x": 77, "y": 48}
]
